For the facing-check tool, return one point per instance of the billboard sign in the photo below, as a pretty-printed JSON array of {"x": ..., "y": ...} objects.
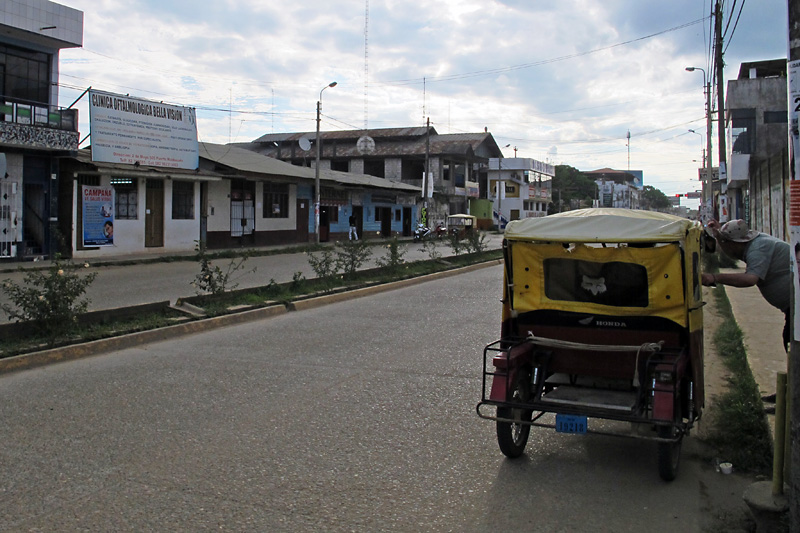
[{"x": 131, "y": 130}]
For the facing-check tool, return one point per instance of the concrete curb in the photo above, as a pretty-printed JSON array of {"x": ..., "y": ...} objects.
[{"x": 79, "y": 351}]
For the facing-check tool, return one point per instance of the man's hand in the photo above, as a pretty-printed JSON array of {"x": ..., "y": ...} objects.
[
  {"x": 708, "y": 280},
  {"x": 713, "y": 227}
]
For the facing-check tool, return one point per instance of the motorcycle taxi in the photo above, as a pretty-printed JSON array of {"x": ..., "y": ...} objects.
[
  {"x": 460, "y": 224},
  {"x": 601, "y": 321}
]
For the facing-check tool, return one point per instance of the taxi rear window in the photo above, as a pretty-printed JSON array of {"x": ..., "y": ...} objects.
[{"x": 615, "y": 283}]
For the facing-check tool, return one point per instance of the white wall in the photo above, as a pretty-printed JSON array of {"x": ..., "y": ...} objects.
[
  {"x": 11, "y": 192},
  {"x": 219, "y": 206},
  {"x": 275, "y": 224},
  {"x": 179, "y": 235}
]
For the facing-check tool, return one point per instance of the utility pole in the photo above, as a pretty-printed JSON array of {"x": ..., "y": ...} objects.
[
  {"x": 426, "y": 177},
  {"x": 793, "y": 374},
  {"x": 720, "y": 64}
]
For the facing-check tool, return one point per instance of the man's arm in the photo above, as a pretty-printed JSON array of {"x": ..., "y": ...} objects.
[{"x": 736, "y": 279}]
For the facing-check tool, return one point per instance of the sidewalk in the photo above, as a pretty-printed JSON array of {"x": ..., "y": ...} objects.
[
  {"x": 12, "y": 265},
  {"x": 762, "y": 326}
]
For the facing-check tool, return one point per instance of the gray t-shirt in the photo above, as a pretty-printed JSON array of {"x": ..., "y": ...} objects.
[{"x": 768, "y": 258}]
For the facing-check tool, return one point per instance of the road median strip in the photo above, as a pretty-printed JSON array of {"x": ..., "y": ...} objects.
[{"x": 130, "y": 340}]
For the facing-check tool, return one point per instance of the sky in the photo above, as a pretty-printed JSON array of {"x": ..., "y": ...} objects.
[{"x": 558, "y": 81}]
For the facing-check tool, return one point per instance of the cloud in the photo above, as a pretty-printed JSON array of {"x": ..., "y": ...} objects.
[{"x": 563, "y": 79}]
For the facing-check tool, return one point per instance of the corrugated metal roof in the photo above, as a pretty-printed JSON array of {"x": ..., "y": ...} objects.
[
  {"x": 248, "y": 161},
  {"x": 353, "y": 135},
  {"x": 243, "y": 160},
  {"x": 606, "y": 171},
  {"x": 389, "y": 142}
]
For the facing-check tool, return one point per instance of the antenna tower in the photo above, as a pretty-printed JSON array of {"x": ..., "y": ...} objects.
[{"x": 366, "y": 64}]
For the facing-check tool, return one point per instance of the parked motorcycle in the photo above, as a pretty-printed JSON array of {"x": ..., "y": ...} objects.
[{"x": 423, "y": 232}]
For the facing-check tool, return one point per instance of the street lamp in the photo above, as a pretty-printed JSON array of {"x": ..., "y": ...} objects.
[
  {"x": 702, "y": 145},
  {"x": 707, "y": 181},
  {"x": 316, "y": 169}
]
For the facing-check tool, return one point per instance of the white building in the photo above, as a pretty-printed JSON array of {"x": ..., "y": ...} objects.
[
  {"x": 623, "y": 195},
  {"x": 519, "y": 187}
]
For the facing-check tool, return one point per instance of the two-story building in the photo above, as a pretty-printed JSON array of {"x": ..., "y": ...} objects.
[
  {"x": 456, "y": 163},
  {"x": 757, "y": 142},
  {"x": 519, "y": 187},
  {"x": 618, "y": 188},
  {"x": 34, "y": 132}
]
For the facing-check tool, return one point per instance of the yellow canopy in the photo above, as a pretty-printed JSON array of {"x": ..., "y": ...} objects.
[
  {"x": 602, "y": 225},
  {"x": 570, "y": 289}
]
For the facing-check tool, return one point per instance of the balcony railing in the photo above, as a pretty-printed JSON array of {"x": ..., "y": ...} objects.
[{"x": 39, "y": 115}]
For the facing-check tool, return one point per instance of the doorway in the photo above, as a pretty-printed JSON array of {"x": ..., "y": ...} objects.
[
  {"x": 384, "y": 216},
  {"x": 203, "y": 212},
  {"x": 154, "y": 214},
  {"x": 243, "y": 212},
  {"x": 325, "y": 222},
  {"x": 36, "y": 206}
]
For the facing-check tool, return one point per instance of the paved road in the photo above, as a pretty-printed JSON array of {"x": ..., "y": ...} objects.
[
  {"x": 122, "y": 286},
  {"x": 358, "y": 416}
]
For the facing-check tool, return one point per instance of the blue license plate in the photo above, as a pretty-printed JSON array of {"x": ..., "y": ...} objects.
[{"x": 571, "y": 424}]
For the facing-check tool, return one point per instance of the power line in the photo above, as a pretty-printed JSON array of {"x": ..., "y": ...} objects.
[
  {"x": 478, "y": 73},
  {"x": 728, "y": 25},
  {"x": 734, "y": 27}
]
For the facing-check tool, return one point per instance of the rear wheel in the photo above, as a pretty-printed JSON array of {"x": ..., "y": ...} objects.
[
  {"x": 669, "y": 453},
  {"x": 513, "y": 436}
]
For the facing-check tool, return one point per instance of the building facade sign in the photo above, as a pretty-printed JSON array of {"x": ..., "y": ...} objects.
[{"x": 133, "y": 131}]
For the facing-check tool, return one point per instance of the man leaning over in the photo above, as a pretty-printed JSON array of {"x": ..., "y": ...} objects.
[{"x": 767, "y": 263}]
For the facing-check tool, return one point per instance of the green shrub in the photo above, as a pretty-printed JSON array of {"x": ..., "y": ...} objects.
[
  {"x": 351, "y": 255},
  {"x": 323, "y": 263},
  {"x": 431, "y": 248},
  {"x": 50, "y": 299},
  {"x": 456, "y": 243},
  {"x": 298, "y": 280},
  {"x": 475, "y": 241},
  {"x": 212, "y": 279},
  {"x": 393, "y": 260}
]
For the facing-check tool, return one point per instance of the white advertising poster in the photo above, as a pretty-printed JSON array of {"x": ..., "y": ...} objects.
[
  {"x": 131, "y": 130},
  {"x": 98, "y": 215}
]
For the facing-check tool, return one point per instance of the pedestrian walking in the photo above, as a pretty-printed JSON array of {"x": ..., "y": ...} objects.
[{"x": 353, "y": 233}]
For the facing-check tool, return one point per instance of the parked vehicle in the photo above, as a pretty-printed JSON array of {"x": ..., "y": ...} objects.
[
  {"x": 424, "y": 232},
  {"x": 460, "y": 224},
  {"x": 421, "y": 232},
  {"x": 601, "y": 320}
]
